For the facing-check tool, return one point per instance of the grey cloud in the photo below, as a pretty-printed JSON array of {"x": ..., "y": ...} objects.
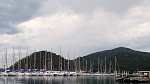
[
  {"x": 141, "y": 43},
  {"x": 92, "y": 5},
  {"x": 8, "y": 28},
  {"x": 14, "y": 12}
]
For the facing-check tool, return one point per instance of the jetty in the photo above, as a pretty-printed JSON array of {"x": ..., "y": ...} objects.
[{"x": 140, "y": 77}]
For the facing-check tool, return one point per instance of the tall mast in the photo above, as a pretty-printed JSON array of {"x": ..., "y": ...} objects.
[
  {"x": 40, "y": 60},
  {"x": 13, "y": 58},
  {"x": 45, "y": 59},
  {"x": 48, "y": 60},
  {"x": 43, "y": 62},
  {"x": 3, "y": 58},
  {"x": 51, "y": 60},
  {"x": 90, "y": 66},
  {"x": 83, "y": 65},
  {"x": 68, "y": 60},
  {"x": 6, "y": 58},
  {"x": 105, "y": 64},
  {"x": 75, "y": 63},
  {"x": 110, "y": 67},
  {"x": 86, "y": 65},
  {"x": 101, "y": 66},
  {"x": 34, "y": 60},
  {"x": 64, "y": 64},
  {"x": 98, "y": 64},
  {"x": 30, "y": 61},
  {"x": 115, "y": 63},
  {"x": 19, "y": 57},
  {"x": 19, "y": 62},
  {"x": 115, "y": 72},
  {"x": 79, "y": 65},
  {"x": 27, "y": 59},
  {"x": 3, "y": 62},
  {"x": 60, "y": 58}
]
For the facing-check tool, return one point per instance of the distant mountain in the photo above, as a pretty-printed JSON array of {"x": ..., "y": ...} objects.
[{"x": 127, "y": 60}]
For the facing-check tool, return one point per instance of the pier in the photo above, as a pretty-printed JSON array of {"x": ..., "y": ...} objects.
[{"x": 140, "y": 77}]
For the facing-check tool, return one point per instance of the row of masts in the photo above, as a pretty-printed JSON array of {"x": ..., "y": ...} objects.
[
  {"x": 27, "y": 60},
  {"x": 101, "y": 65},
  {"x": 48, "y": 63}
]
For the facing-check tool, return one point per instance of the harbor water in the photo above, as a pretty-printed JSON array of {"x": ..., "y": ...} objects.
[{"x": 59, "y": 80}]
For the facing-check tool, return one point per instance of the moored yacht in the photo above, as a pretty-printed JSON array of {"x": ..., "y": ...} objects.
[
  {"x": 13, "y": 73},
  {"x": 27, "y": 73}
]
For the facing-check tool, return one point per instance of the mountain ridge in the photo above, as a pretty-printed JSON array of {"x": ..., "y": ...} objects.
[{"x": 128, "y": 60}]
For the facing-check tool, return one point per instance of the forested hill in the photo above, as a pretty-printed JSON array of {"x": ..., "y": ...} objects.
[
  {"x": 127, "y": 59},
  {"x": 40, "y": 60}
]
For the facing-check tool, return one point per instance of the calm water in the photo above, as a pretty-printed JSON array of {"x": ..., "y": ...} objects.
[{"x": 58, "y": 80}]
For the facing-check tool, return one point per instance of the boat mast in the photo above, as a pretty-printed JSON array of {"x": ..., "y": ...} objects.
[
  {"x": 40, "y": 60},
  {"x": 51, "y": 60},
  {"x": 86, "y": 65},
  {"x": 19, "y": 58},
  {"x": 27, "y": 60},
  {"x": 45, "y": 59},
  {"x": 30, "y": 61},
  {"x": 34, "y": 59},
  {"x": 79, "y": 65},
  {"x": 60, "y": 59},
  {"x": 75, "y": 63},
  {"x": 13, "y": 58},
  {"x": 115, "y": 63},
  {"x": 5, "y": 50},
  {"x": 68, "y": 61},
  {"x": 3, "y": 64},
  {"x": 83, "y": 65},
  {"x": 6, "y": 58},
  {"x": 110, "y": 67},
  {"x": 48, "y": 60},
  {"x": 98, "y": 64},
  {"x": 64, "y": 64},
  {"x": 105, "y": 64},
  {"x": 101, "y": 65},
  {"x": 43, "y": 62}
]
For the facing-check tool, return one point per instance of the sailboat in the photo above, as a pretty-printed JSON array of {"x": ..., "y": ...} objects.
[
  {"x": 27, "y": 72},
  {"x": 99, "y": 73},
  {"x": 20, "y": 71},
  {"x": 110, "y": 70},
  {"x": 35, "y": 72},
  {"x": 60, "y": 72},
  {"x": 67, "y": 73},
  {"x": 42, "y": 71},
  {"x": 7, "y": 70},
  {"x": 50, "y": 72},
  {"x": 13, "y": 72}
]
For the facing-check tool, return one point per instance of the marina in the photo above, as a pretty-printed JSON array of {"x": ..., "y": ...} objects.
[
  {"x": 28, "y": 67},
  {"x": 75, "y": 42},
  {"x": 43, "y": 64}
]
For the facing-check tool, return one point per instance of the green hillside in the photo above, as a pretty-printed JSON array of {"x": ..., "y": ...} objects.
[
  {"x": 37, "y": 61},
  {"x": 127, "y": 60}
]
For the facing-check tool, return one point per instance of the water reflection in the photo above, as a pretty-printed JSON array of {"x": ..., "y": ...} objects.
[{"x": 59, "y": 80}]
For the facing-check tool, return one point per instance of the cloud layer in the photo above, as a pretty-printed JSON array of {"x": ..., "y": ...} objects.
[{"x": 80, "y": 27}]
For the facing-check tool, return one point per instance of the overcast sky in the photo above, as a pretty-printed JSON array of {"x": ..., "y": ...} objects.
[{"x": 79, "y": 26}]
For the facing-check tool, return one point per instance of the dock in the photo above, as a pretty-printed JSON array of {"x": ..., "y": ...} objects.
[
  {"x": 141, "y": 77},
  {"x": 133, "y": 80}
]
